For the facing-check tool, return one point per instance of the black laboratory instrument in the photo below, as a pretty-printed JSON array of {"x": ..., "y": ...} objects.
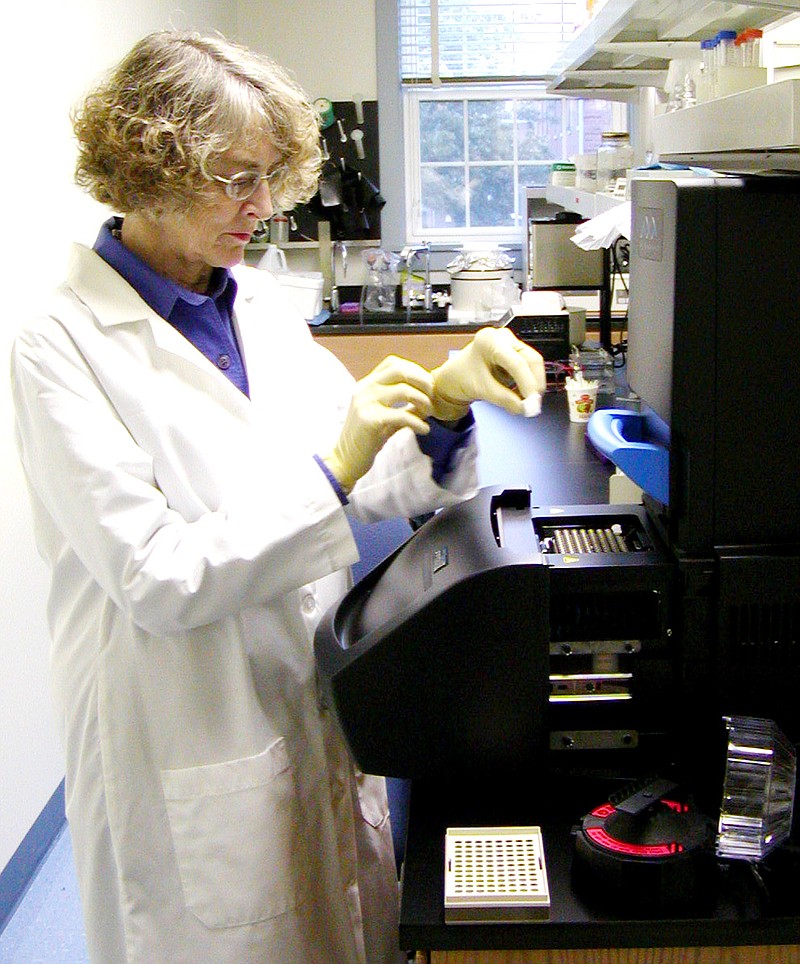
[{"x": 507, "y": 635}]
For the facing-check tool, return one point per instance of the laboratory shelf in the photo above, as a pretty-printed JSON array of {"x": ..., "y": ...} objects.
[
  {"x": 628, "y": 44},
  {"x": 586, "y": 203},
  {"x": 762, "y": 119}
]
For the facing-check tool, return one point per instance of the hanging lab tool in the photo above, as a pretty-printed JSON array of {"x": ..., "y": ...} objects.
[
  {"x": 324, "y": 108},
  {"x": 348, "y": 194}
]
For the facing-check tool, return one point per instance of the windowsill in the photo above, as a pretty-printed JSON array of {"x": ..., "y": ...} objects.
[{"x": 470, "y": 244}]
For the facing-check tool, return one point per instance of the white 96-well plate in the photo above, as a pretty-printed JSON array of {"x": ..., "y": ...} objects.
[{"x": 495, "y": 874}]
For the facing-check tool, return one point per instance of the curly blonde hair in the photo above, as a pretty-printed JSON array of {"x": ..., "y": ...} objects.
[{"x": 150, "y": 132}]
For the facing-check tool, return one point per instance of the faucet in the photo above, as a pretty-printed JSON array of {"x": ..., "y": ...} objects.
[
  {"x": 407, "y": 255},
  {"x": 342, "y": 247}
]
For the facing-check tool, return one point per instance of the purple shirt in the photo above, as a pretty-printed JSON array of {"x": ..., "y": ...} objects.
[{"x": 207, "y": 322}]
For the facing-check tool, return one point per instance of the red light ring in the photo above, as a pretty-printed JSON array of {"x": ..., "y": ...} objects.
[{"x": 603, "y": 839}]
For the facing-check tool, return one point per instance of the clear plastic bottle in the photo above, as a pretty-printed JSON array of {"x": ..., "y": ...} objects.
[
  {"x": 740, "y": 69},
  {"x": 728, "y": 52},
  {"x": 713, "y": 64},
  {"x": 379, "y": 293},
  {"x": 705, "y": 80},
  {"x": 754, "y": 42},
  {"x": 727, "y": 61},
  {"x": 749, "y": 44},
  {"x": 689, "y": 90},
  {"x": 614, "y": 159}
]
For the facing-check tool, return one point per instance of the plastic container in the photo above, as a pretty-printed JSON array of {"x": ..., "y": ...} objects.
[
  {"x": 305, "y": 290},
  {"x": 704, "y": 77},
  {"x": 380, "y": 291},
  {"x": 682, "y": 84},
  {"x": 741, "y": 69},
  {"x": 614, "y": 159},
  {"x": 749, "y": 44},
  {"x": 725, "y": 55},
  {"x": 581, "y": 398},
  {"x": 713, "y": 57},
  {"x": 733, "y": 79},
  {"x": 586, "y": 172},
  {"x": 727, "y": 51},
  {"x": 563, "y": 174},
  {"x": 481, "y": 285},
  {"x": 481, "y": 293}
]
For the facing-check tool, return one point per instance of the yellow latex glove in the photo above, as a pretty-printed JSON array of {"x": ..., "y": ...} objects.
[
  {"x": 395, "y": 394},
  {"x": 494, "y": 367}
]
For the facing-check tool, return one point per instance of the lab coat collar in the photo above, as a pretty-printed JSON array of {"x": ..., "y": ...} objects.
[
  {"x": 112, "y": 302},
  {"x": 104, "y": 291}
]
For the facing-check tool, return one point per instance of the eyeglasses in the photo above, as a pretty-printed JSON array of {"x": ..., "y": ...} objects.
[{"x": 244, "y": 185}]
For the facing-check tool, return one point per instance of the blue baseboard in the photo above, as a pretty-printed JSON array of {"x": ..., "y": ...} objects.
[{"x": 21, "y": 869}]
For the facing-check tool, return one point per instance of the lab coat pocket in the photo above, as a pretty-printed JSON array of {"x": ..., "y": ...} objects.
[
  {"x": 372, "y": 800},
  {"x": 236, "y": 832}
]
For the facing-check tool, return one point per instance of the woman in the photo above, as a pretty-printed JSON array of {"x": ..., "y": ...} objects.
[{"x": 192, "y": 457}]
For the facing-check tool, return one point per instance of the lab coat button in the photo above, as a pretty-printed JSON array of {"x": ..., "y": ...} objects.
[
  {"x": 224, "y": 362},
  {"x": 309, "y": 604}
]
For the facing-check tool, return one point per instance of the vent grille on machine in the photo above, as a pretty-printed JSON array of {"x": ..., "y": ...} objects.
[
  {"x": 764, "y": 634},
  {"x": 605, "y": 615}
]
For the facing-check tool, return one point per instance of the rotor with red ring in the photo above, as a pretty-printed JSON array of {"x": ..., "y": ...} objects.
[{"x": 645, "y": 850}]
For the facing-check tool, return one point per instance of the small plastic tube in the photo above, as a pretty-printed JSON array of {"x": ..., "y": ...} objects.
[
  {"x": 727, "y": 48},
  {"x": 532, "y": 405}
]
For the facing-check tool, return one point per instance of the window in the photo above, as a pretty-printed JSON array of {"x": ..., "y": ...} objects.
[
  {"x": 444, "y": 40},
  {"x": 472, "y": 151},
  {"x": 479, "y": 126}
]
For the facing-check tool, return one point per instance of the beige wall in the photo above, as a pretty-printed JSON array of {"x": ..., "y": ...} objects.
[
  {"x": 50, "y": 55},
  {"x": 330, "y": 47}
]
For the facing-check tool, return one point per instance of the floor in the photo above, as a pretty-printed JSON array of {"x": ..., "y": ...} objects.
[{"x": 46, "y": 927}]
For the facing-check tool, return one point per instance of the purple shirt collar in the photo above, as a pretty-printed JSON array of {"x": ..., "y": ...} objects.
[
  {"x": 206, "y": 320},
  {"x": 160, "y": 293}
]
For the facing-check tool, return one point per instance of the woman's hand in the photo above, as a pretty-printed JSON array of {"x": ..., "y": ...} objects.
[
  {"x": 395, "y": 394},
  {"x": 494, "y": 367}
]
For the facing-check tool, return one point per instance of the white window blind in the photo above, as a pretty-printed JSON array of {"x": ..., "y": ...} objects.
[{"x": 444, "y": 41}]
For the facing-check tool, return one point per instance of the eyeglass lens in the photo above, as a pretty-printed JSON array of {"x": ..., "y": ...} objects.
[{"x": 244, "y": 184}]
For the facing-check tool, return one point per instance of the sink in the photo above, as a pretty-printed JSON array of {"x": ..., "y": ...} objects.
[{"x": 398, "y": 317}]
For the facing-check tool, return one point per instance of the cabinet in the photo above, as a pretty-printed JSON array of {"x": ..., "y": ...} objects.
[
  {"x": 628, "y": 44},
  {"x": 360, "y": 351}
]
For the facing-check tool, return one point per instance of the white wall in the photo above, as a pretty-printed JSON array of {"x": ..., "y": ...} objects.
[{"x": 52, "y": 52}]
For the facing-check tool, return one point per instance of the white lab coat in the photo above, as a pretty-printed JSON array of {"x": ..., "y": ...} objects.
[{"x": 194, "y": 545}]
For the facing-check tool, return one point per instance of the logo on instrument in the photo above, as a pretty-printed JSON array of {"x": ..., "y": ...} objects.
[
  {"x": 649, "y": 233},
  {"x": 439, "y": 559}
]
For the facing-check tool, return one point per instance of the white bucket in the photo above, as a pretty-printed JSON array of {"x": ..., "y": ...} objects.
[
  {"x": 478, "y": 292},
  {"x": 305, "y": 290}
]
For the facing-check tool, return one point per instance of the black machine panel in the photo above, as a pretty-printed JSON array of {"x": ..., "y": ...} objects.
[
  {"x": 503, "y": 636},
  {"x": 714, "y": 289},
  {"x": 485, "y": 643},
  {"x": 548, "y": 334}
]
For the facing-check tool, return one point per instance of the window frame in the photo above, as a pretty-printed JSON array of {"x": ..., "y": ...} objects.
[{"x": 412, "y": 95}]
